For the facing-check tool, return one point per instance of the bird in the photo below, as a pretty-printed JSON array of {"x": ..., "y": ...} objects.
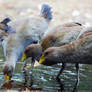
[
  {"x": 65, "y": 33},
  {"x": 61, "y": 35},
  {"x": 33, "y": 50},
  {"x": 57, "y": 36},
  {"x": 5, "y": 30},
  {"x": 77, "y": 52},
  {"x": 29, "y": 30}
]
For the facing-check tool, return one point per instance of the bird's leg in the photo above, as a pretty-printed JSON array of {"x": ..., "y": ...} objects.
[
  {"x": 24, "y": 65},
  {"x": 61, "y": 70},
  {"x": 61, "y": 84},
  {"x": 30, "y": 73},
  {"x": 77, "y": 82},
  {"x": 78, "y": 71},
  {"x": 24, "y": 72}
]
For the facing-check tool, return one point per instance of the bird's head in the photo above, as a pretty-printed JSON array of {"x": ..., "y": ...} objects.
[
  {"x": 5, "y": 29},
  {"x": 33, "y": 50},
  {"x": 27, "y": 53},
  {"x": 49, "y": 56},
  {"x": 8, "y": 71}
]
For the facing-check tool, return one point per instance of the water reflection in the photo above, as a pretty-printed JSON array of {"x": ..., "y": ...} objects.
[
  {"x": 22, "y": 86},
  {"x": 44, "y": 78}
]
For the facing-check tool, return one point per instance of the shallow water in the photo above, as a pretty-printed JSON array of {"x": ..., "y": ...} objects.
[{"x": 44, "y": 78}]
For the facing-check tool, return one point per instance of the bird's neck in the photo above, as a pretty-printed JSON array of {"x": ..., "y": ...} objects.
[{"x": 11, "y": 60}]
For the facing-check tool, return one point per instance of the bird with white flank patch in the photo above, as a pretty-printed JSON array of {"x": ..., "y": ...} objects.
[{"x": 28, "y": 30}]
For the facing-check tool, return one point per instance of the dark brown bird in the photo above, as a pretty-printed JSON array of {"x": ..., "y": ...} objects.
[
  {"x": 57, "y": 36},
  {"x": 77, "y": 52},
  {"x": 86, "y": 32},
  {"x": 34, "y": 51},
  {"x": 60, "y": 35},
  {"x": 83, "y": 37}
]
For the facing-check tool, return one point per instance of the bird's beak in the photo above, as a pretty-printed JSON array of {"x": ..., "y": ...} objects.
[
  {"x": 24, "y": 57},
  {"x": 7, "y": 78},
  {"x": 42, "y": 59}
]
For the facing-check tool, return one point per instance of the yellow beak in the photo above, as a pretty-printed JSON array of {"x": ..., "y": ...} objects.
[
  {"x": 24, "y": 57},
  {"x": 42, "y": 59},
  {"x": 7, "y": 78}
]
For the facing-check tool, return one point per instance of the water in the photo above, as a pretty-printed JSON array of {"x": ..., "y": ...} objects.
[{"x": 44, "y": 78}]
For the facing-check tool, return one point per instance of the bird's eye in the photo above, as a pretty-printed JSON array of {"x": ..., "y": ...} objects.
[{"x": 46, "y": 53}]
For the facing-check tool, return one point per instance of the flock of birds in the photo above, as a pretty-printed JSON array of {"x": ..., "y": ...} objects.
[{"x": 32, "y": 37}]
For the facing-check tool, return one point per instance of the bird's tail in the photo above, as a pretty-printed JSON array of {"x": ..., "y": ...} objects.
[{"x": 46, "y": 12}]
